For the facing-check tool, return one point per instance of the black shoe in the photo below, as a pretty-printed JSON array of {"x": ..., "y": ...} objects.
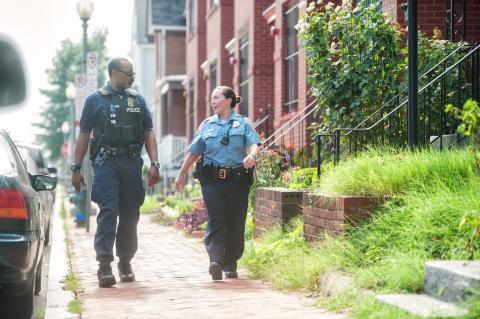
[
  {"x": 125, "y": 272},
  {"x": 215, "y": 271},
  {"x": 105, "y": 277},
  {"x": 231, "y": 274}
]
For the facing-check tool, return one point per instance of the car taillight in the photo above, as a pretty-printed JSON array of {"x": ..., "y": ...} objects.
[{"x": 12, "y": 204}]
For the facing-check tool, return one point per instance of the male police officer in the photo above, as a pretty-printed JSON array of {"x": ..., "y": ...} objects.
[{"x": 121, "y": 124}]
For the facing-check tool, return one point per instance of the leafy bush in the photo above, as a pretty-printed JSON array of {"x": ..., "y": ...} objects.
[
  {"x": 354, "y": 59},
  {"x": 303, "y": 178}
]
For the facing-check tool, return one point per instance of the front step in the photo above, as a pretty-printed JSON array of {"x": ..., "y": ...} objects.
[
  {"x": 423, "y": 305},
  {"x": 451, "y": 280}
]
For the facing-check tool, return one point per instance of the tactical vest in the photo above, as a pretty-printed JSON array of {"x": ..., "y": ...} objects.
[{"x": 122, "y": 123}]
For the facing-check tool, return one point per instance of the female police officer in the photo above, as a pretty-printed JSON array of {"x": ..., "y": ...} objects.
[{"x": 228, "y": 144}]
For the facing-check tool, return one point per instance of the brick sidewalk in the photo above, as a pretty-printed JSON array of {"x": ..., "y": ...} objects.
[{"x": 173, "y": 282}]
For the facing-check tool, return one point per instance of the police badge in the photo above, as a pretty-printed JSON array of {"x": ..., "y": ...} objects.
[{"x": 130, "y": 102}]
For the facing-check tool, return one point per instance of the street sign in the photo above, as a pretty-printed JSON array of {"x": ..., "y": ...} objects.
[
  {"x": 80, "y": 89},
  {"x": 92, "y": 72}
]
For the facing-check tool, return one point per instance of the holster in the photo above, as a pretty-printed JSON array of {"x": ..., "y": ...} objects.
[{"x": 198, "y": 172}]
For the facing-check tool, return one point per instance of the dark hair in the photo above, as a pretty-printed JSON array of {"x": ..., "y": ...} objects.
[
  {"x": 228, "y": 93},
  {"x": 116, "y": 64}
]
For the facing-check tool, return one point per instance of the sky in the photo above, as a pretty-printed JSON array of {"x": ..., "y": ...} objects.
[{"x": 38, "y": 27}]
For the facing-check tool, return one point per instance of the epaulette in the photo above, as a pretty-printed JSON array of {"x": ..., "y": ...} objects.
[
  {"x": 132, "y": 92},
  {"x": 104, "y": 91}
]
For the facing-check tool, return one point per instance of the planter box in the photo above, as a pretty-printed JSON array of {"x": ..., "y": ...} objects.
[
  {"x": 323, "y": 214},
  {"x": 275, "y": 206}
]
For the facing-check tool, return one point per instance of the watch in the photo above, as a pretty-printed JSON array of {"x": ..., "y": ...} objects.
[
  {"x": 75, "y": 167},
  {"x": 155, "y": 164}
]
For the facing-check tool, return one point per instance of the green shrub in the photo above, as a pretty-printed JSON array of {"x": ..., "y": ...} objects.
[
  {"x": 393, "y": 173},
  {"x": 150, "y": 205}
]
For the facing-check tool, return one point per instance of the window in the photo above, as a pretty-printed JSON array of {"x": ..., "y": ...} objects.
[
  {"x": 213, "y": 76},
  {"x": 191, "y": 17},
  {"x": 191, "y": 109},
  {"x": 291, "y": 59},
  {"x": 243, "y": 80}
]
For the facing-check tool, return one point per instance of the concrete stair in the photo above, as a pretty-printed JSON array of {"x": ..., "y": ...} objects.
[{"x": 446, "y": 283}]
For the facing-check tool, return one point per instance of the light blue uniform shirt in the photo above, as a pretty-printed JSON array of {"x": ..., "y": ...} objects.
[{"x": 208, "y": 139}]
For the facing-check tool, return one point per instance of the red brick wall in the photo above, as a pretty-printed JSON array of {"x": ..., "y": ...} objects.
[
  {"x": 176, "y": 55},
  {"x": 195, "y": 55},
  {"x": 249, "y": 22},
  {"x": 431, "y": 14},
  {"x": 220, "y": 23}
]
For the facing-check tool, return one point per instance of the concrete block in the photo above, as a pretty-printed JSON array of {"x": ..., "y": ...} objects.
[
  {"x": 423, "y": 305},
  {"x": 451, "y": 280}
]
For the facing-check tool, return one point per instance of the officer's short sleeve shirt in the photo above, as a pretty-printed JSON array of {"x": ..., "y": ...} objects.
[
  {"x": 208, "y": 140},
  {"x": 96, "y": 101}
]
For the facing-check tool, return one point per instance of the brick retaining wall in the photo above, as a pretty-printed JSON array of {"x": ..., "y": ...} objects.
[
  {"x": 275, "y": 206},
  {"x": 322, "y": 214}
]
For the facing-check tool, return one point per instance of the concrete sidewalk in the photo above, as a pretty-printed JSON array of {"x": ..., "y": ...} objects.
[{"x": 173, "y": 282}]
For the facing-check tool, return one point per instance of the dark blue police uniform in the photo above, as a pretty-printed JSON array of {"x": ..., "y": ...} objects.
[
  {"x": 118, "y": 120},
  {"x": 224, "y": 187}
]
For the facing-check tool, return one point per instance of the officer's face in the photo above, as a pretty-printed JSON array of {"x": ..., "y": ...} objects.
[
  {"x": 219, "y": 103},
  {"x": 125, "y": 75}
]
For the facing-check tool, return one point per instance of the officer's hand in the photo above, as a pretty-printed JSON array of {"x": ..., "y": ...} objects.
[
  {"x": 77, "y": 180},
  {"x": 180, "y": 182},
  {"x": 249, "y": 161},
  {"x": 153, "y": 176}
]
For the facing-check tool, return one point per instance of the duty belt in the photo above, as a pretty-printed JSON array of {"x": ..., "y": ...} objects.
[{"x": 224, "y": 173}]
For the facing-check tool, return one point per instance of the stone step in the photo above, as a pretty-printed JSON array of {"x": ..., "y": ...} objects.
[
  {"x": 423, "y": 305},
  {"x": 451, "y": 280}
]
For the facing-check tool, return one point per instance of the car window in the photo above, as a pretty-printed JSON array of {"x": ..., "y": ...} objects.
[
  {"x": 20, "y": 166},
  {"x": 7, "y": 159},
  {"x": 31, "y": 164}
]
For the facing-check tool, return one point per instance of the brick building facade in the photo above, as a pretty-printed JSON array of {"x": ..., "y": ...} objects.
[{"x": 252, "y": 46}]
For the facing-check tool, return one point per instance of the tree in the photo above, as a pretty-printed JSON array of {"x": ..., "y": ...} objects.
[{"x": 66, "y": 64}]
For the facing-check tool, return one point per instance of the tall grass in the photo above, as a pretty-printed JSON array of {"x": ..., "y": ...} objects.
[
  {"x": 393, "y": 173},
  {"x": 430, "y": 193}
]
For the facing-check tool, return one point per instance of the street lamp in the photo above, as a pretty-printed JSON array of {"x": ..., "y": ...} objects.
[
  {"x": 85, "y": 10},
  {"x": 71, "y": 93}
]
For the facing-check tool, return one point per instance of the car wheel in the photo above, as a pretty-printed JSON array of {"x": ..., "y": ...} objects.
[
  {"x": 38, "y": 278},
  {"x": 17, "y": 306}
]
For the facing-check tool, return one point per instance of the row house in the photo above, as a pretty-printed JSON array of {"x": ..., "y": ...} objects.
[
  {"x": 252, "y": 45},
  {"x": 166, "y": 24}
]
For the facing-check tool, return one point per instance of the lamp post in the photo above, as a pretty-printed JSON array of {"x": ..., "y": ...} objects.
[
  {"x": 85, "y": 10},
  {"x": 412, "y": 118},
  {"x": 71, "y": 93}
]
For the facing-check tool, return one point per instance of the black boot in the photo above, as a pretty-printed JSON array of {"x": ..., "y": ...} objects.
[
  {"x": 125, "y": 271},
  {"x": 105, "y": 276},
  {"x": 215, "y": 271}
]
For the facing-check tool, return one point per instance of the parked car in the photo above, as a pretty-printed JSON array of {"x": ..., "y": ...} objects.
[
  {"x": 36, "y": 165},
  {"x": 22, "y": 231}
]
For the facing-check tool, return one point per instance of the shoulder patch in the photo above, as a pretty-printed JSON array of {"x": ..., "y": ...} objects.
[{"x": 103, "y": 91}]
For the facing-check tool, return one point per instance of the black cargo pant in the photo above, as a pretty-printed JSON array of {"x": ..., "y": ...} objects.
[{"x": 227, "y": 203}]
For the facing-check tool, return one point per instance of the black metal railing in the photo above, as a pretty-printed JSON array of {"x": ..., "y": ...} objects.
[
  {"x": 293, "y": 138},
  {"x": 446, "y": 83}
]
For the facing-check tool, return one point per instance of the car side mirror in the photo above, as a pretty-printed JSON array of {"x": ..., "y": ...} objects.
[
  {"x": 13, "y": 89},
  {"x": 43, "y": 183},
  {"x": 52, "y": 170}
]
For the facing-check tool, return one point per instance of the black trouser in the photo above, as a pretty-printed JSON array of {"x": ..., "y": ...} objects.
[{"x": 227, "y": 203}]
